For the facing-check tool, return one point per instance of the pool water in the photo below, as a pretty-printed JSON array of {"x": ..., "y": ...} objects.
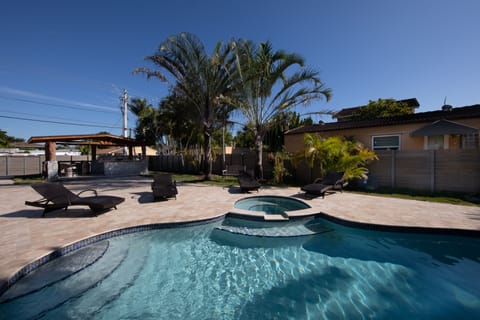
[
  {"x": 270, "y": 204},
  {"x": 203, "y": 273}
]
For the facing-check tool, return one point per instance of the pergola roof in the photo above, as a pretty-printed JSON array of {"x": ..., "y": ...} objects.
[{"x": 103, "y": 139}]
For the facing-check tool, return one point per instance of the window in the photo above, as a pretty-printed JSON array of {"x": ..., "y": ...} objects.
[
  {"x": 386, "y": 142},
  {"x": 435, "y": 142},
  {"x": 470, "y": 141}
]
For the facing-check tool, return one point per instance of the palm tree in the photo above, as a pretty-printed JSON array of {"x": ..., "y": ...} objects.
[
  {"x": 336, "y": 154},
  {"x": 147, "y": 129},
  {"x": 198, "y": 78},
  {"x": 270, "y": 82}
]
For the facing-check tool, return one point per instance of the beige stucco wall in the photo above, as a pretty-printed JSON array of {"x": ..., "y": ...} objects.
[{"x": 294, "y": 142}]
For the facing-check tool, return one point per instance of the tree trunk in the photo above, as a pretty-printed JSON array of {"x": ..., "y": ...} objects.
[
  {"x": 259, "y": 156},
  {"x": 207, "y": 166}
]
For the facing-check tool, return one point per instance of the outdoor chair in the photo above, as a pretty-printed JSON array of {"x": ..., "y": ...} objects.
[
  {"x": 57, "y": 196},
  {"x": 333, "y": 180},
  {"x": 247, "y": 182},
  {"x": 164, "y": 187}
]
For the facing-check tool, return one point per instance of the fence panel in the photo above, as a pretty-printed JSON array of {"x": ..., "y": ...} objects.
[
  {"x": 426, "y": 170},
  {"x": 11, "y": 166},
  {"x": 457, "y": 171},
  {"x": 414, "y": 170}
]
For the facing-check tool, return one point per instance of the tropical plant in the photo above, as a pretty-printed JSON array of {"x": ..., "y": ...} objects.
[
  {"x": 147, "y": 126},
  {"x": 270, "y": 82},
  {"x": 279, "y": 170},
  {"x": 336, "y": 154},
  {"x": 197, "y": 77}
]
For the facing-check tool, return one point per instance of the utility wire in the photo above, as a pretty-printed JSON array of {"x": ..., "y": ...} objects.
[
  {"x": 59, "y": 122},
  {"x": 57, "y": 105},
  {"x": 50, "y": 117}
]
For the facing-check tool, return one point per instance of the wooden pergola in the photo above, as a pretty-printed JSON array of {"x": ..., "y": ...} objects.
[{"x": 93, "y": 140}]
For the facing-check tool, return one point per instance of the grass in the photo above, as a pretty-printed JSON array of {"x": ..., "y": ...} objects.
[
  {"x": 28, "y": 179},
  {"x": 450, "y": 198},
  {"x": 217, "y": 180}
]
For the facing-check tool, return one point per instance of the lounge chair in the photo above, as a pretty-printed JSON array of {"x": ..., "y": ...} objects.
[
  {"x": 164, "y": 187},
  {"x": 333, "y": 180},
  {"x": 57, "y": 196},
  {"x": 247, "y": 182}
]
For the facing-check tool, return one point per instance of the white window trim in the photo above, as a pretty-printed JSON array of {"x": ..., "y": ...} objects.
[{"x": 387, "y": 135}]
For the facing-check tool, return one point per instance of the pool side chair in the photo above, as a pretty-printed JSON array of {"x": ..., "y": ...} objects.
[
  {"x": 247, "y": 182},
  {"x": 57, "y": 196},
  {"x": 333, "y": 180},
  {"x": 163, "y": 186}
]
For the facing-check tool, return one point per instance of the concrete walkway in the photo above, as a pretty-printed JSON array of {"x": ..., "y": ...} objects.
[{"x": 25, "y": 236}]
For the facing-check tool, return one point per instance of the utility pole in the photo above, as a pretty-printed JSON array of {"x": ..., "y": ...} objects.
[{"x": 123, "y": 108}]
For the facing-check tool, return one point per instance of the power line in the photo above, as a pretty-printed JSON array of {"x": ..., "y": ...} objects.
[
  {"x": 50, "y": 117},
  {"x": 59, "y": 122},
  {"x": 56, "y": 105}
]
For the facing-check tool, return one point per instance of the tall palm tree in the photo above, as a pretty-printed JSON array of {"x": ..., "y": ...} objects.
[
  {"x": 197, "y": 77},
  {"x": 270, "y": 82}
]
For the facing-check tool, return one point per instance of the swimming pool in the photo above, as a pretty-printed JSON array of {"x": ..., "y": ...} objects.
[
  {"x": 271, "y": 204},
  {"x": 201, "y": 273}
]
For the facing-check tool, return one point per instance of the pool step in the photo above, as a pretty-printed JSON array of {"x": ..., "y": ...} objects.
[
  {"x": 53, "y": 296},
  {"x": 294, "y": 230},
  {"x": 108, "y": 290},
  {"x": 56, "y": 270}
]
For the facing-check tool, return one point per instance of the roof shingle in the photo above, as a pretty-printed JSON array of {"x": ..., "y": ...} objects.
[{"x": 472, "y": 111}]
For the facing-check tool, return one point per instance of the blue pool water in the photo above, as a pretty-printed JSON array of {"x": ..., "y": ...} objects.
[
  {"x": 204, "y": 273},
  {"x": 270, "y": 204}
]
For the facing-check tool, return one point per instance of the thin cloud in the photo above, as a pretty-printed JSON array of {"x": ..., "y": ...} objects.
[{"x": 33, "y": 95}]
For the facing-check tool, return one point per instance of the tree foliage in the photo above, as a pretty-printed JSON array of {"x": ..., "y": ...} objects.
[
  {"x": 270, "y": 82},
  {"x": 7, "y": 141},
  {"x": 336, "y": 154},
  {"x": 199, "y": 79},
  {"x": 180, "y": 127},
  {"x": 382, "y": 108},
  {"x": 147, "y": 127},
  {"x": 283, "y": 121}
]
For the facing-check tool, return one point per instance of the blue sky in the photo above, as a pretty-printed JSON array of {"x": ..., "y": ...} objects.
[{"x": 68, "y": 61}]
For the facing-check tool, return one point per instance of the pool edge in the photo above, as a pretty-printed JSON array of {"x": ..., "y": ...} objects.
[{"x": 67, "y": 248}]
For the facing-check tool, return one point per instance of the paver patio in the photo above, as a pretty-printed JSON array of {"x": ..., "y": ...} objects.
[{"x": 25, "y": 236}]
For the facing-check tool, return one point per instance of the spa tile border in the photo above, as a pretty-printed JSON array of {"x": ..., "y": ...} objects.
[
  {"x": 401, "y": 229},
  {"x": 370, "y": 226}
]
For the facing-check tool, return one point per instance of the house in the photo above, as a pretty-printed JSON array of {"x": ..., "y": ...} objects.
[{"x": 448, "y": 128}]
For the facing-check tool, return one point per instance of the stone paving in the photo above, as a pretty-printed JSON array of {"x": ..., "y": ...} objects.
[{"x": 25, "y": 236}]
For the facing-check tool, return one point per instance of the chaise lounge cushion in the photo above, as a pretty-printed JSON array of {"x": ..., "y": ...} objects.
[
  {"x": 333, "y": 180},
  {"x": 57, "y": 196},
  {"x": 248, "y": 183},
  {"x": 163, "y": 186}
]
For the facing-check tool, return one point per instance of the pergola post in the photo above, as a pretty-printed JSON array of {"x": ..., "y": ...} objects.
[
  {"x": 51, "y": 163},
  {"x": 130, "y": 152},
  {"x": 94, "y": 153}
]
